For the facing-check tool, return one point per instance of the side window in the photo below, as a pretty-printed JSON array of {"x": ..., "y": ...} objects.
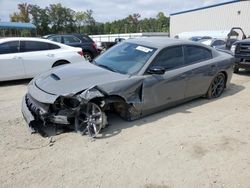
[
  {"x": 71, "y": 39},
  {"x": 9, "y": 47},
  {"x": 195, "y": 54},
  {"x": 55, "y": 38},
  {"x": 31, "y": 46},
  {"x": 170, "y": 58},
  {"x": 53, "y": 46}
]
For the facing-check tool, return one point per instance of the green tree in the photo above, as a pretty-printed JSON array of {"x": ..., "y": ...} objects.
[
  {"x": 163, "y": 22},
  {"x": 40, "y": 19},
  {"x": 61, "y": 18},
  {"x": 80, "y": 19},
  {"x": 22, "y": 15},
  {"x": 133, "y": 21}
]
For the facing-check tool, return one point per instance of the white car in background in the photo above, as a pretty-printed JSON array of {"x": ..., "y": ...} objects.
[{"x": 22, "y": 58}]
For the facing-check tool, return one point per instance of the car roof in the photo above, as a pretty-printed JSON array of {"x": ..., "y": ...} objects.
[
  {"x": 162, "y": 42},
  {"x": 8, "y": 39},
  {"x": 23, "y": 39}
]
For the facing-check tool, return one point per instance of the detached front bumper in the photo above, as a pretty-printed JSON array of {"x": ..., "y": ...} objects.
[
  {"x": 34, "y": 112},
  {"x": 38, "y": 116},
  {"x": 28, "y": 117}
]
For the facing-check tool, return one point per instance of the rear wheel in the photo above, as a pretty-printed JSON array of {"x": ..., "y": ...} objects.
[
  {"x": 217, "y": 86},
  {"x": 88, "y": 56}
]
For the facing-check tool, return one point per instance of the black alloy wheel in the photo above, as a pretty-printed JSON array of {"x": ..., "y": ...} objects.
[{"x": 217, "y": 86}]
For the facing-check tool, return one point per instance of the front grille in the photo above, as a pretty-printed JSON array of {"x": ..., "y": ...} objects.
[
  {"x": 243, "y": 49},
  {"x": 35, "y": 106}
]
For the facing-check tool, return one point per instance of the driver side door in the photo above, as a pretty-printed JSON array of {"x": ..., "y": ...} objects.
[{"x": 162, "y": 90}]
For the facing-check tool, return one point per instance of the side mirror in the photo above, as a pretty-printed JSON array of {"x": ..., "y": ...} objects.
[{"x": 156, "y": 70}]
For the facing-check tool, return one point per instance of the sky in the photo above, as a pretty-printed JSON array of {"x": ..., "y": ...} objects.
[{"x": 109, "y": 10}]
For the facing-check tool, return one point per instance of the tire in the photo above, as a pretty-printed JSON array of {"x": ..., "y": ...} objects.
[
  {"x": 236, "y": 69},
  {"x": 58, "y": 63},
  {"x": 88, "y": 56},
  {"x": 217, "y": 86}
]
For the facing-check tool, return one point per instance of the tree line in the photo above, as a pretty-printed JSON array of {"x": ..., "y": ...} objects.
[{"x": 57, "y": 18}]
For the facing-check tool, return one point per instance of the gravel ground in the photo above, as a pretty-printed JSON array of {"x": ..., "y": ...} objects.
[{"x": 203, "y": 143}]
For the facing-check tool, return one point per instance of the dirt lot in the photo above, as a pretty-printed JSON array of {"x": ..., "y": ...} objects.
[{"x": 203, "y": 143}]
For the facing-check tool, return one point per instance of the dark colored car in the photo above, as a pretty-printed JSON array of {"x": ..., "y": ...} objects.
[
  {"x": 197, "y": 38},
  {"x": 106, "y": 45},
  {"x": 77, "y": 40},
  {"x": 241, "y": 51},
  {"x": 134, "y": 79}
]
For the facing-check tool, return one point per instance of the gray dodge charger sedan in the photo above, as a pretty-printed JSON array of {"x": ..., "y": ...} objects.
[{"x": 134, "y": 78}]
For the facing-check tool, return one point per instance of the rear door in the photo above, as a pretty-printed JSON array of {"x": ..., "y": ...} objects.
[
  {"x": 166, "y": 89},
  {"x": 11, "y": 66},
  {"x": 37, "y": 56},
  {"x": 198, "y": 61}
]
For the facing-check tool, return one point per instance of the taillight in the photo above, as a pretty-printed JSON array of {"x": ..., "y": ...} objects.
[
  {"x": 94, "y": 45},
  {"x": 80, "y": 53}
]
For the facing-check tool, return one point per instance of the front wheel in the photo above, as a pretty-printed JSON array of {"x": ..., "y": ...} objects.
[
  {"x": 90, "y": 119},
  {"x": 217, "y": 86}
]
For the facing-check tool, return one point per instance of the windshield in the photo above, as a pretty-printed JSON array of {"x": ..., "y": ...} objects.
[{"x": 125, "y": 58}]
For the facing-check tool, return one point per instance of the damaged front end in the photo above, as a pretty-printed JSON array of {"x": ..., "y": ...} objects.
[
  {"x": 84, "y": 111},
  {"x": 73, "y": 112}
]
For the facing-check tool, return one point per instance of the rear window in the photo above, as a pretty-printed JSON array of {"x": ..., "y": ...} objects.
[
  {"x": 9, "y": 47},
  {"x": 31, "y": 46},
  {"x": 86, "y": 39},
  {"x": 195, "y": 54}
]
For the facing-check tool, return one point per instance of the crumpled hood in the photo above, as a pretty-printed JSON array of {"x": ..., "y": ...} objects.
[{"x": 73, "y": 78}]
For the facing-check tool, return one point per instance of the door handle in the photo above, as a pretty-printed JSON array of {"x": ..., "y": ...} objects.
[
  {"x": 50, "y": 55},
  {"x": 17, "y": 57}
]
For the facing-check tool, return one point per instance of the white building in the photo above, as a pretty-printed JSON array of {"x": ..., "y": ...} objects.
[
  {"x": 221, "y": 16},
  {"x": 112, "y": 37}
]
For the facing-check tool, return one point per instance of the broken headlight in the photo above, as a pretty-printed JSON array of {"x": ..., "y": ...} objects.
[{"x": 67, "y": 102}]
